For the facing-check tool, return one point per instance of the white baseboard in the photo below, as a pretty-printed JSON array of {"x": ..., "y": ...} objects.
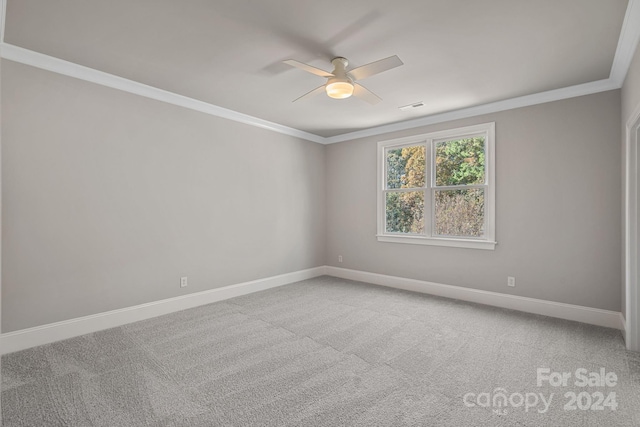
[
  {"x": 593, "y": 316},
  {"x": 45, "y": 334}
]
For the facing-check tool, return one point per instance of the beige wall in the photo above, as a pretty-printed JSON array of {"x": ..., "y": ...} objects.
[
  {"x": 630, "y": 95},
  {"x": 558, "y": 207},
  {"x": 109, "y": 198},
  {"x": 1, "y": 298}
]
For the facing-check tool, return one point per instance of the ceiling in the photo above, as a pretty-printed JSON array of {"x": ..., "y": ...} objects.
[{"x": 456, "y": 53}]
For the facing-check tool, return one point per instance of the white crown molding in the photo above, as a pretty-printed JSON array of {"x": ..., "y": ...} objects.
[
  {"x": 50, "y": 63},
  {"x": 577, "y": 313},
  {"x": 45, "y": 334},
  {"x": 627, "y": 43},
  {"x": 494, "y": 107}
]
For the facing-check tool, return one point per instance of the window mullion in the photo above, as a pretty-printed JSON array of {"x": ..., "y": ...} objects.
[
  {"x": 402, "y": 190},
  {"x": 460, "y": 187},
  {"x": 428, "y": 192}
]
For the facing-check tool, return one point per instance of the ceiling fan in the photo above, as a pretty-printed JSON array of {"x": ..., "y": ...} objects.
[{"x": 341, "y": 83}]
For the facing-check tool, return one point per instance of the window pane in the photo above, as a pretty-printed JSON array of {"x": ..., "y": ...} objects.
[
  {"x": 460, "y": 161},
  {"x": 406, "y": 167},
  {"x": 459, "y": 212},
  {"x": 405, "y": 212}
]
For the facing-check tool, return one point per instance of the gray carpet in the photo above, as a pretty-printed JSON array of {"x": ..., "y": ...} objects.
[{"x": 323, "y": 352}]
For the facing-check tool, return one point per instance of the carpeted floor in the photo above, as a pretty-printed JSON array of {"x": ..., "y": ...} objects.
[{"x": 326, "y": 352}]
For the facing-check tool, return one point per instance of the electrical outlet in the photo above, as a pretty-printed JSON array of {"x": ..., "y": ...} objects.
[
  {"x": 183, "y": 282},
  {"x": 339, "y": 258},
  {"x": 511, "y": 281}
]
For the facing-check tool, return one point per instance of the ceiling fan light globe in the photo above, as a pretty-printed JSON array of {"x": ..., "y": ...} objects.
[{"x": 339, "y": 89}]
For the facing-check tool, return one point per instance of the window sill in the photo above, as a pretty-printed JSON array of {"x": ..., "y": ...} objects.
[{"x": 438, "y": 241}]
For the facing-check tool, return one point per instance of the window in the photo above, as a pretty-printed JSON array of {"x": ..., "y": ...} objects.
[{"x": 438, "y": 188}]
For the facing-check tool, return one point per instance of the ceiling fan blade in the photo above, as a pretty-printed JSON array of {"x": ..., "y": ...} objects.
[
  {"x": 374, "y": 68},
  {"x": 365, "y": 94},
  {"x": 316, "y": 91},
  {"x": 308, "y": 68}
]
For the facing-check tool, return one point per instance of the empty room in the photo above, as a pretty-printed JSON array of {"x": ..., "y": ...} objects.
[{"x": 297, "y": 213}]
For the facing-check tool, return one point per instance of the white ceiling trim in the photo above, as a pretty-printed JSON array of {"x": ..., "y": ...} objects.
[
  {"x": 494, "y": 107},
  {"x": 627, "y": 43},
  {"x": 56, "y": 65}
]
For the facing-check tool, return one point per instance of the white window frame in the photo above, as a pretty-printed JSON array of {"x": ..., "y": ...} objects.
[{"x": 429, "y": 140}]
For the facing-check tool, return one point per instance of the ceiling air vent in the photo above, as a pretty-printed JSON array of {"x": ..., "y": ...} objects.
[{"x": 412, "y": 106}]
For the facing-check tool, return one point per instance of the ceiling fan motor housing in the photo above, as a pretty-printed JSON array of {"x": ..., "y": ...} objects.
[{"x": 339, "y": 65}]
